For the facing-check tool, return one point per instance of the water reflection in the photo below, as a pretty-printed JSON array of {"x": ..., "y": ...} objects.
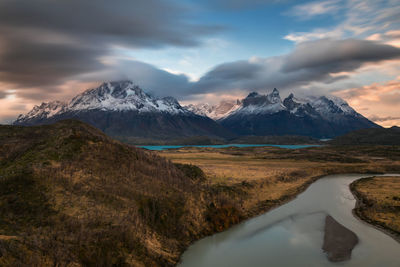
[{"x": 292, "y": 235}]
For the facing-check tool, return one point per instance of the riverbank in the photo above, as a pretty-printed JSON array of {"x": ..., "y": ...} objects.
[
  {"x": 255, "y": 180},
  {"x": 378, "y": 203},
  {"x": 265, "y": 206},
  {"x": 297, "y": 229}
]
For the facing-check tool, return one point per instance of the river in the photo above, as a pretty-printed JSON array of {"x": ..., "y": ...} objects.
[{"x": 292, "y": 234}]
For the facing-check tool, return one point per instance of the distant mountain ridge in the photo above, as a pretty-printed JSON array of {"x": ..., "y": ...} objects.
[
  {"x": 123, "y": 110},
  {"x": 111, "y": 96},
  {"x": 320, "y": 117}
]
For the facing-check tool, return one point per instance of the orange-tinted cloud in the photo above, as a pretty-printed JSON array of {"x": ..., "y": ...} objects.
[{"x": 379, "y": 102}]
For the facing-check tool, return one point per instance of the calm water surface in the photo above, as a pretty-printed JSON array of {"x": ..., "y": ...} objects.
[
  {"x": 292, "y": 235},
  {"x": 229, "y": 145}
]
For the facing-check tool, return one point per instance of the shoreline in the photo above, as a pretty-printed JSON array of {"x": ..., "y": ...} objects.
[
  {"x": 357, "y": 212},
  {"x": 258, "y": 212},
  {"x": 284, "y": 200}
]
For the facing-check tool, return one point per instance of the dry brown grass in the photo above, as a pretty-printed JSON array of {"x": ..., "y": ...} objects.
[
  {"x": 380, "y": 201},
  {"x": 230, "y": 169},
  {"x": 278, "y": 174},
  {"x": 74, "y": 197},
  {"x": 7, "y": 237}
]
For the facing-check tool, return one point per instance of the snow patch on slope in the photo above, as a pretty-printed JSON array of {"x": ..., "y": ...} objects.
[
  {"x": 45, "y": 110},
  {"x": 255, "y": 103},
  {"x": 119, "y": 96},
  {"x": 216, "y": 112},
  {"x": 331, "y": 107}
]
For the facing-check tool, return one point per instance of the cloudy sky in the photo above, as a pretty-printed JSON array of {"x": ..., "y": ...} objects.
[{"x": 202, "y": 50}]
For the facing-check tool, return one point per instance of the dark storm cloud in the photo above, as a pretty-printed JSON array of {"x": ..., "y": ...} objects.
[
  {"x": 338, "y": 55},
  {"x": 46, "y": 42},
  {"x": 29, "y": 63},
  {"x": 230, "y": 72},
  {"x": 309, "y": 62},
  {"x": 131, "y": 22},
  {"x": 227, "y": 76},
  {"x": 150, "y": 78},
  {"x": 242, "y": 70}
]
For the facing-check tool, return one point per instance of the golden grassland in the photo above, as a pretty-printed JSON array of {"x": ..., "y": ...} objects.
[
  {"x": 275, "y": 175},
  {"x": 379, "y": 202}
]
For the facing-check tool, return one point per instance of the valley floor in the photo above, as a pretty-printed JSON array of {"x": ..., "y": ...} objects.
[
  {"x": 267, "y": 176},
  {"x": 262, "y": 178}
]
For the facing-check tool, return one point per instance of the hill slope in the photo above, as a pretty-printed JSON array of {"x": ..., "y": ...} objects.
[
  {"x": 380, "y": 136},
  {"x": 69, "y": 195}
]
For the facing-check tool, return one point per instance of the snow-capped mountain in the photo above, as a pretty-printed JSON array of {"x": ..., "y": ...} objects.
[
  {"x": 323, "y": 116},
  {"x": 255, "y": 103},
  {"x": 299, "y": 106},
  {"x": 122, "y": 109},
  {"x": 118, "y": 96},
  {"x": 215, "y": 112},
  {"x": 125, "y": 111},
  {"x": 111, "y": 96},
  {"x": 45, "y": 110},
  {"x": 330, "y": 108}
]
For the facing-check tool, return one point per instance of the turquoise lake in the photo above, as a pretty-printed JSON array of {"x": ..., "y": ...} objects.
[{"x": 158, "y": 148}]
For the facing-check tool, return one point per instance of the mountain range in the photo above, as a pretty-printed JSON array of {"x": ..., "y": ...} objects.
[
  {"x": 123, "y": 110},
  {"x": 320, "y": 117}
]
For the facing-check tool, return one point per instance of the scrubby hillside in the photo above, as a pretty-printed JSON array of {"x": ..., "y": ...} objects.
[
  {"x": 378, "y": 136},
  {"x": 71, "y": 196}
]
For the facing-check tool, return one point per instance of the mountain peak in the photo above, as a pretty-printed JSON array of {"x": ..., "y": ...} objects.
[
  {"x": 118, "y": 89},
  {"x": 123, "y": 95},
  {"x": 274, "y": 96},
  {"x": 256, "y": 103},
  {"x": 109, "y": 96},
  {"x": 253, "y": 94},
  {"x": 44, "y": 110},
  {"x": 330, "y": 106}
]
